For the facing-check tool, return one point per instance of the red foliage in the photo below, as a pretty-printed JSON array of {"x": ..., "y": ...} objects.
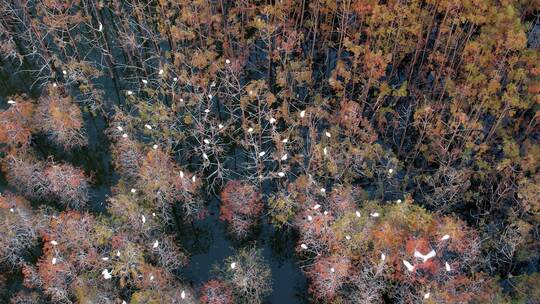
[
  {"x": 15, "y": 122},
  {"x": 216, "y": 292},
  {"x": 68, "y": 184},
  {"x": 327, "y": 275},
  {"x": 240, "y": 207}
]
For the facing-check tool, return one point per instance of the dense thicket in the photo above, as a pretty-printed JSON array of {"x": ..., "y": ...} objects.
[{"x": 398, "y": 139}]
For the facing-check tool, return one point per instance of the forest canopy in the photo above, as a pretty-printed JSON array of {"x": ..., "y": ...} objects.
[{"x": 387, "y": 151}]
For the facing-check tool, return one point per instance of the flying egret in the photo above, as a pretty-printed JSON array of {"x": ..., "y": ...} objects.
[
  {"x": 409, "y": 266},
  {"x": 425, "y": 257}
]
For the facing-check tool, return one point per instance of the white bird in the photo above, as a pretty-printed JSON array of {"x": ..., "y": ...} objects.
[
  {"x": 11, "y": 102},
  {"x": 250, "y": 92},
  {"x": 210, "y": 96},
  {"x": 149, "y": 127},
  {"x": 100, "y": 27},
  {"x": 193, "y": 178},
  {"x": 272, "y": 120},
  {"x": 54, "y": 242},
  {"x": 328, "y": 134},
  {"x": 54, "y": 261},
  {"x": 124, "y": 135},
  {"x": 129, "y": 92},
  {"x": 317, "y": 206},
  {"x": 106, "y": 274},
  {"x": 262, "y": 154},
  {"x": 383, "y": 256},
  {"x": 390, "y": 171},
  {"x": 304, "y": 246},
  {"x": 284, "y": 157},
  {"x": 425, "y": 257},
  {"x": 120, "y": 128},
  {"x": 250, "y": 130},
  {"x": 145, "y": 81},
  {"x": 220, "y": 126},
  {"x": 281, "y": 174},
  {"x": 409, "y": 266},
  {"x": 156, "y": 244},
  {"x": 117, "y": 253},
  {"x": 426, "y": 295},
  {"x": 233, "y": 265},
  {"x": 323, "y": 190},
  {"x": 143, "y": 219},
  {"x": 325, "y": 151},
  {"x": 374, "y": 214},
  {"x": 207, "y": 111},
  {"x": 154, "y": 147},
  {"x": 348, "y": 237},
  {"x": 124, "y": 302},
  {"x": 398, "y": 201},
  {"x": 309, "y": 218},
  {"x": 54, "y": 85},
  {"x": 302, "y": 113},
  {"x": 325, "y": 212},
  {"x": 332, "y": 269},
  {"x": 105, "y": 259},
  {"x": 285, "y": 140},
  {"x": 357, "y": 213},
  {"x": 183, "y": 294},
  {"x": 11, "y": 210},
  {"x": 151, "y": 278},
  {"x": 445, "y": 237},
  {"x": 227, "y": 61},
  {"x": 161, "y": 71},
  {"x": 181, "y": 174},
  {"x": 205, "y": 156},
  {"x": 206, "y": 141},
  {"x": 447, "y": 266},
  {"x": 175, "y": 79},
  {"x": 133, "y": 190},
  {"x": 64, "y": 72},
  {"x": 153, "y": 214}
]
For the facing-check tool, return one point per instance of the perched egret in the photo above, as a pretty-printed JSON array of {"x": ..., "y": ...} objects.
[
  {"x": 284, "y": 157},
  {"x": 106, "y": 274},
  {"x": 54, "y": 243},
  {"x": 156, "y": 244},
  {"x": 375, "y": 214},
  {"x": 447, "y": 266},
  {"x": 445, "y": 237},
  {"x": 233, "y": 265},
  {"x": 304, "y": 246},
  {"x": 281, "y": 174},
  {"x": 357, "y": 213},
  {"x": 183, "y": 294},
  {"x": 328, "y": 134},
  {"x": 383, "y": 256},
  {"x": 317, "y": 206},
  {"x": 227, "y": 61},
  {"x": 302, "y": 113},
  {"x": 54, "y": 261}
]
